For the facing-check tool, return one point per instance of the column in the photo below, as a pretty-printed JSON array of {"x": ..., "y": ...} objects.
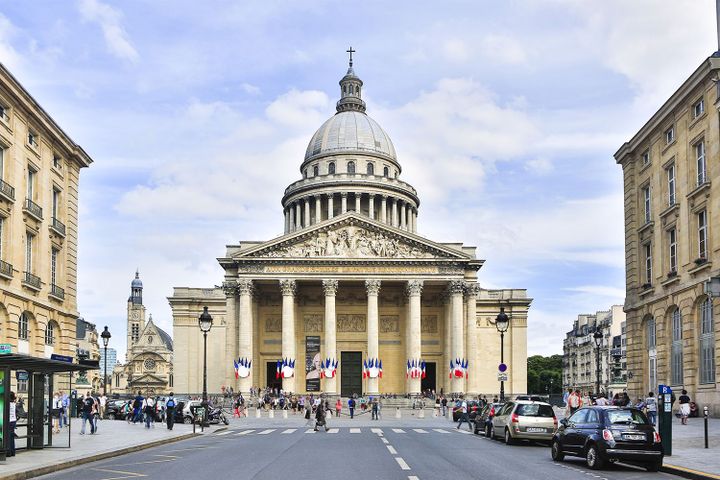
[
  {"x": 298, "y": 215},
  {"x": 357, "y": 201},
  {"x": 288, "y": 287},
  {"x": 230, "y": 289},
  {"x": 447, "y": 334},
  {"x": 471, "y": 340},
  {"x": 318, "y": 209},
  {"x": 394, "y": 212},
  {"x": 330, "y": 287},
  {"x": 307, "y": 211},
  {"x": 406, "y": 215},
  {"x": 371, "y": 209},
  {"x": 383, "y": 208},
  {"x": 343, "y": 203},
  {"x": 331, "y": 206},
  {"x": 291, "y": 218},
  {"x": 414, "y": 336},
  {"x": 245, "y": 334},
  {"x": 285, "y": 216},
  {"x": 373, "y": 347},
  {"x": 414, "y": 221},
  {"x": 403, "y": 216},
  {"x": 455, "y": 288}
]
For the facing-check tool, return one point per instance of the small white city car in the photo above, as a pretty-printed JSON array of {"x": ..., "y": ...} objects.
[{"x": 524, "y": 420}]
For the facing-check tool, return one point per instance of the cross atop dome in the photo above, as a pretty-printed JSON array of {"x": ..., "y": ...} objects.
[
  {"x": 351, "y": 51},
  {"x": 350, "y": 90}
]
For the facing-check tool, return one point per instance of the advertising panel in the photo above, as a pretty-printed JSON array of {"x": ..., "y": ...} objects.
[{"x": 312, "y": 363}]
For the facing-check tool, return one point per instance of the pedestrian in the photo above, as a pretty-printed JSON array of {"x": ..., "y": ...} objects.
[
  {"x": 464, "y": 414},
  {"x": 574, "y": 402},
  {"x": 320, "y": 418},
  {"x": 149, "y": 411},
  {"x": 103, "y": 403},
  {"x": 56, "y": 408},
  {"x": 308, "y": 413},
  {"x": 444, "y": 406},
  {"x": 137, "y": 407},
  {"x": 338, "y": 407},
  {"x": 65, "y": 403},
  {"x": 351, "y": 407},
  {"x": 566, "y": 395},
  {"x": 88, "y": 406},
  {"x": 12, "y": 421},
  {"x": 374, "y": 415},
  {"x": 651, "y": 407},
  {"x": 684, "y": 407},
  {"x": 170, "y": 413}
]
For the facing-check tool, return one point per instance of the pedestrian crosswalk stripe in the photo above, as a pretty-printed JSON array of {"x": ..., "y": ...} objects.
[
  {"x": 466, "y": 432},
  {"x": 334, "y": 430},
  {"x": 354, "y": 430},
  {"x": 226, "y": 432},
  {"x": 385, "y": 440},
  {"x": 402, "y": 463},
  {"x": 265, "y": 432},
  {"x": 310, "y": 430},
  {"x": 440, "y": 430},
  {"x": 398, "y": 430},
  {"x": 245, "y": 432},
  {"x": 290, "y": 430},
  {"x": 376, "y": 430},
  {"x": 420, "y": 430}
]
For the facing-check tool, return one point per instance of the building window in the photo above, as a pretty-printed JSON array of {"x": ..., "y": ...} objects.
[
  {"x": 29, "y": 238},
  {"x": 676, "y": 354},
  {"x": 646, "y": 203},
  {"x": 672, "y": 243},
  {"x": 135, "y": 332},
  {"x": 305, "y": 173},
  {"x": 370, "y": 169},
  {"x": 650, "y": 334},
  {"x": 53, "y": 266},
  {"x": 22, "y": 386},
  {"x": 671, "y": 184},
  {"x": 707, "y": 342},
  {"x": 646, "y": 157},
  {"x": 331, "y": 168},
  {"x": 351, "y": 167},
  {"x": 170, "y": 381},
  {"x": 652, "y": 353},
  {"x": 23, "y": 324},
  {"x": 31, "y": 183},
  {"x": 386, "y": 172},
  {"x": 648, "y": 263},
  {"x": 701, "y": 166},
  {"x": 4, "y": 113},
  {"x": 2, "y": 163},
  {"x": 316, "y": 171},
  {"x": 670, "y": 135},
  {"x": 55, "y": 203},
  {"x": 2, "y": 235},
  {"x": 117, "y": 380},
  {"x": 50, "y": 334},
  {"x": 57, "y": 161},
  {"x": 702, "y": 235},
  {"x": 699, "y": 108},
  {"x": 32, "y": 138}
]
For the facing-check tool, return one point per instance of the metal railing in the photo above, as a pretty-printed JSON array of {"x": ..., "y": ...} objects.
[
  {"x": 58, "y": 226},
  {"x": 32, "y": 280},
  {"x": 56, "y": 291},
  {"x": 7, "y": 190},
  {"x": 6, "y": 269},
  {"x": 33, "y": 208}
]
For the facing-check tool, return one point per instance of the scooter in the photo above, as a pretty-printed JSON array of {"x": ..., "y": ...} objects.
[{"x": 217, "y": 415}]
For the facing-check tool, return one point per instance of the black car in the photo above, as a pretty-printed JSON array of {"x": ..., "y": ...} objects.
[
  {"x": 483, "y": 418},
  {"x": 473, "y": 407},
  {"x": 608, "y": 434},
  {"x": 115, "y": 409}
]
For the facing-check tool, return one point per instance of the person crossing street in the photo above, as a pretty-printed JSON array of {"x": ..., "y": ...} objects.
[{"x": 464, "y": 414}]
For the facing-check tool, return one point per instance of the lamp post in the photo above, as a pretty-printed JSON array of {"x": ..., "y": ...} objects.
[
  {"x": 598, "y": 337},
  {"x": 105, "y": 339},
  {"x": 205, "y": 322},
  {"x": 502, "y": 322}
]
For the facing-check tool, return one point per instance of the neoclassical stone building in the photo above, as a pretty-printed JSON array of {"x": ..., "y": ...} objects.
[{"x": 350, "y": 299}]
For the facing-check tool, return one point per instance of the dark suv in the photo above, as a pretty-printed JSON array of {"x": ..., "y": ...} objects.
[
  {"x": 608, "y": 434},
  {"x": 483, "y": 419}
]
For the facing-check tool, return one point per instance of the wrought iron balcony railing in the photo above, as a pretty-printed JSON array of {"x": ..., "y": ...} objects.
[
  {"x": 6, "y": 269},
  {"x": 57, "y": 292},
  {"x": 7, "y": 191},
  {"x": 32, "y": 281},
  {"x": 58, "y": 226},
  {"x": 33, "y": 209}
]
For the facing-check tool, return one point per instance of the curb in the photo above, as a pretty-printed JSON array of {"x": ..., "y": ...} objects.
[
  {"x": 688, "y": 473},
  {"x": 36, "y": 472}
]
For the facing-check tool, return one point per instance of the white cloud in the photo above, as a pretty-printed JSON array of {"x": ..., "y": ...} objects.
[
  {"x": 109, "y": 19},
  {"x": 539, "y": 166},
  {"x": 600, "y": 290},
  {"x": 504, "y": 49},
  {"x": 250, "y": 89}
]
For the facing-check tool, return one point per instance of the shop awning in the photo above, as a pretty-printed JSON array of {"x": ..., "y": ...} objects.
[{"x": 20, "y": 361}]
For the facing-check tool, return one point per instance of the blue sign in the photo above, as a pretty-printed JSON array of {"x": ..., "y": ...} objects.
[
  {"x": 664, "y": 390},
  {"x": 21, "y": 375},
  {"x": 61, "y": 358},
  {"x": 502, "y": 367}
]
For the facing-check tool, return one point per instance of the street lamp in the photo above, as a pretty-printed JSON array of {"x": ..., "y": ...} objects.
[
  {"x": 205, "y": 322},
  {"x": 106, "y": 339},
  {"x": 502, "y": 322},
  {"x": 598, "y": 337}
]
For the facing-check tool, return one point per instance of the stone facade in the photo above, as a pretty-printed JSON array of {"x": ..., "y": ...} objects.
[
  {"x": 39, "y": 181},
  {"x": 87, "y": 347},
  {"x": 349, "y": 287},
  {"x": 671, "y": 242}
]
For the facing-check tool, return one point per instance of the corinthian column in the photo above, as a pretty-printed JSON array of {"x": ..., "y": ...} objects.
[
  {"x": 331, "y": 207},
  {"x": 447, "y": 344},
  {"x": 330, "y": 287},
  {"x": 298, "y": 215},
  {"x": 373, "y": 347},
  {"x": 245, "y": 335},
  {"x": 231, "y": 346},
  {"x": 471, "y": 293},
  {"x": 307, "y": 211},
  {"x": 343, "y": 202},
  {"x": 357, "y": 202},
  {"x": 287, "y": 287},
  {"x": 455, "y": 288},
  {"x": 414, "y": 336},
  {"x": 371, "y": 208},
  {"x": 318, "y": 209},
  {"x": 383, "y": 208}
]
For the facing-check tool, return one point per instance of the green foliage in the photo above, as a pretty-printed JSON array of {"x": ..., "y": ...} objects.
[{"x": 544, "y": 374}]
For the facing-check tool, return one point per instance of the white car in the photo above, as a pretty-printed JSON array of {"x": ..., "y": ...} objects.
[{"x": 187, "y": 413}]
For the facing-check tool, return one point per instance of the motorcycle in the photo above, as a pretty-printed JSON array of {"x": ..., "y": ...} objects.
[{"x": 216, "y": 415}]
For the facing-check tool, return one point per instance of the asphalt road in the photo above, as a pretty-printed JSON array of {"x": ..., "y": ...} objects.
[{"x": 363, "y": 453}]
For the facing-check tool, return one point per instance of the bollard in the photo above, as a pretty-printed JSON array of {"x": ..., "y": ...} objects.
[
  {"x": 271, "y": 413},
  {"x": 705, "y": 414},
  {"x": 397, "y": 412},
  {"x": 422, "y": 413},
  {"x": 284, "y": 413},
  {"x": 257, "y": 413}
]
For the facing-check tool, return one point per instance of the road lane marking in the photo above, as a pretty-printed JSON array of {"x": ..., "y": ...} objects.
[
  {"x": 398, "y": 430},
  {"x": 376, "y": 430},
  {"x": 385, "y": 440},
  {"x": 402, "y": 463},
  {"x": 354, "y": 430},
  {"x": 226, "y": 432},
  {"x": 289, "y": 430},
  {"x": 126, "y": 474},
  {"x": 245, "y": 432},
  {"x": 419, "y": 430},
  {"x": 310, "y": 430},
  {"x": 466, "y": 432},
  {"x": 391, "y": 449},
  {"x": 440, "y": 430},
  {"x": 265, "y": 432},
  {"x": 413, "y": 477},
  {"x": 333, "y": 430}
]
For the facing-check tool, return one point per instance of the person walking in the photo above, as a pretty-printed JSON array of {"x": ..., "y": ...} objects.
[
  {"x": 149, "y": 410},
  {"x": 374, "y": 414},
  {"x": 574, "y": 402},
  {"x": 443, "y": 402},
  {"x": 56, "y": 409},
  {"x": 88, "y": 406},
  {"x": 684, "y": 407},
  {"x": 320, "y": 418},
  {"x": 308, "y": 413},
  {"x": 103, "y": 404},
  {"x": 12, "y": 421},
  {"x": 170, "y": 411},
  {"x": 338, "y": 407},
  {"x": 651, "y": 407},
  {"x": 464, "y": 414},
  {"x": 351, "y": 407},
  {"x": 137, "y": 407}
]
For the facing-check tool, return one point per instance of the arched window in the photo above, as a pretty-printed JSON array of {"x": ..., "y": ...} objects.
[
  {"x": 316, "y": 171},
  {"x": 707, "y": 342},
  {"x": 651, "y": 344},
  {"x": 386, "y": 172},
  {"x": 351, "y": 167},
  {"x": 331, "y": 168},
  {"x": 676, "y": 349},
  {"x": 344, "y": 89},
  {"x": 305, "y": 173},
  {"x": 170, "y": 380},
  {"x": 370, "y": 169},
  {"x": 357, "y": 89},
  {"x": 50, "y": 334},
  {"x": 23, "y": 327}
]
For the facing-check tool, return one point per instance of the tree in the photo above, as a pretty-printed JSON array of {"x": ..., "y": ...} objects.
[{"x": 544, "y": 374}]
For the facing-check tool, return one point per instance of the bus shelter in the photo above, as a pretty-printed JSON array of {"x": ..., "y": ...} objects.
[{"x": 43, "y": 377}]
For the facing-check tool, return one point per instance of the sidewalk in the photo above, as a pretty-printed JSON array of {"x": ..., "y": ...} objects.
[
  {"x": 114, "y": 437},
  {"x": 689, "y": 454}
]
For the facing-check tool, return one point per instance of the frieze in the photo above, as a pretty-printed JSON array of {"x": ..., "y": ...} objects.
[
  {"x": 273, "y": 323},
  {"x": 351, "y": 323},
  {"x": 389, "y": 324},
  {"x": 429, "y": 324},
  {"x": 313, "y": 323},
  {"x": 360, "y": 269}
]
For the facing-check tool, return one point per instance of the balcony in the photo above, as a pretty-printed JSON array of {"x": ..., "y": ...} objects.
[
  {"x": 6, "y": 270},
  {"x": 7, "y": 191},
  {"x": 31, "y": 281},
  {"x": 616, "y": 352},
  {"x": 57, "y": 292},
  {"x": 33, "y": 209},
  {"x": 58, "y": 227}
]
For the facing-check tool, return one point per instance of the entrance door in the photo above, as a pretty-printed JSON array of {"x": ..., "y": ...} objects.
[
  {"x": 350, "y": 373},
  {"x": 270, "y": 371},
  {"x": 428, "y": 383}
]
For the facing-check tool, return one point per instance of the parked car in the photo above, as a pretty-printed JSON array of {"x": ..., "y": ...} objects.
[
  {"x": 115, "y": 409},
  {"x": 532, "y": 398},
  {"x": 473, "y": 407},
  {"x": 524, "y": 420},
  {"x": 186, "y": 412},
  {"x": 608, "y": 434},
  {"x": 484, "y": 418}
]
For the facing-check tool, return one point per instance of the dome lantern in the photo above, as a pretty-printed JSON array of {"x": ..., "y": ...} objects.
[{"x": 350, "y": 90}]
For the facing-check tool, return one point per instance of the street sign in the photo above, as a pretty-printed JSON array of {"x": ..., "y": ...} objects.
[
  {"x": 21, "y": 375},
  {"x": 502, "y": 367},
  {"x": 61, "y": 358},
  {"x": 5, "y": 349},
  {"x": 502, "y": 377}
]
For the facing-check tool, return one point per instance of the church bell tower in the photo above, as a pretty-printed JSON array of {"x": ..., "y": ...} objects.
[{"x": 135, "y": 313}]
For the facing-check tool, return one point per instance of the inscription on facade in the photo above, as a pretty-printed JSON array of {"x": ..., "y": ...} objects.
[
  {"x": 389, "y": 324},
  {"x": 273, "y": 323},
  {"x": 362, "y": 269},
  {"x": 351, "y": 323},
  {"x": 429, "y": 324},
  {"x": 313, "y": 323}
]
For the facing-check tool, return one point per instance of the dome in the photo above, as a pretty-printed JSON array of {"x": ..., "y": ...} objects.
[
  {"x": 352, "y": 132},
  {"x": 136, "y": 283}
]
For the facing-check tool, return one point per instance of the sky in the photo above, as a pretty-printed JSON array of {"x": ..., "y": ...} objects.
[{"x": 505, "y": 117}]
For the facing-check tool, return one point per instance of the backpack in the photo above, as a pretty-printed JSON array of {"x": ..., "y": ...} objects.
[{"x": 170, "y": 403}]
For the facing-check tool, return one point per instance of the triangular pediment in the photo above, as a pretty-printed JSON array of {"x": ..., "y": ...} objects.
[
  {"x": 148, "y": 379},
  {"x": 352, "y": 236}
]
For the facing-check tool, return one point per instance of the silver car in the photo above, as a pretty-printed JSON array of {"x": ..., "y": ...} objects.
[{"x": 524, "y": 420}]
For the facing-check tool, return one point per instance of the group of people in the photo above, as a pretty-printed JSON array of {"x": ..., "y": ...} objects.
[{"x": 149, "y": 410}]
